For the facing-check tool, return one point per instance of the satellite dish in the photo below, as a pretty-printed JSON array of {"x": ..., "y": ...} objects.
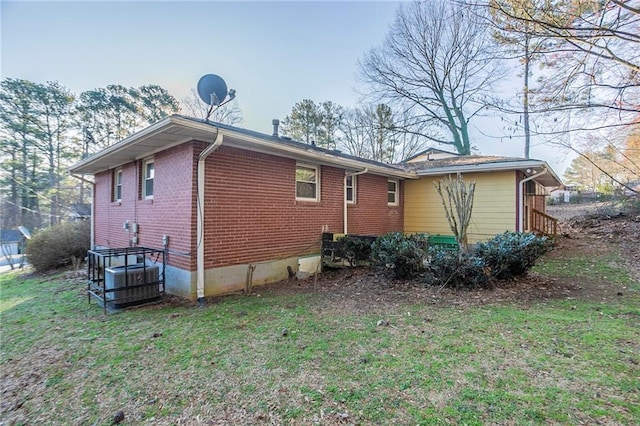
[
  {"x": 25, "y": 232},
  {"x": 212, "y": 89}
]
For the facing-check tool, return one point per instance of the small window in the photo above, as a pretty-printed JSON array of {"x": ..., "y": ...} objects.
[
  {"x": 117, "y": 185},
  {"x": 147, "y": 184},
  {"x": 392, "y": 192},
  {"x": 351, "y": 189},
  {"x": 306, "y": 182}
]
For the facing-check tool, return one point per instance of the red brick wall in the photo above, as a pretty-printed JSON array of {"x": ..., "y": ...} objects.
[
  {"x": 371, "y": 214},
  {"x": 252, "y": 214},
  {"x": 170, "y": 212}
]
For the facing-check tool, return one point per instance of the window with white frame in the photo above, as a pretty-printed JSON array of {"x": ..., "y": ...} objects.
[
  {"x": 117, "y": 185},
  {"x": 148, "y": 174},
  {"x": 392, "y": 192},
  {"x": 307, "y": 182},
  {"x": 350, "y": 188}
]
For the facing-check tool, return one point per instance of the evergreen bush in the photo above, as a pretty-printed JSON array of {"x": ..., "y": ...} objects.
[
  {"x": 403, "y": 254},
  {"x": 448, "y": 268},
  {"x": 355, "y": 249},
  {"x": 512, "y": 253}
]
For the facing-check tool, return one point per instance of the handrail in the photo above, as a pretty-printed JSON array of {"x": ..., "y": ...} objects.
[{"x": 543, "y": 224}]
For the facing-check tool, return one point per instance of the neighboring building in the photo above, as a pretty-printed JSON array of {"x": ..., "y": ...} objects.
[
  {"x": 11, "y": 241},
  {"x": 632, "y": 189},
  {"x": 232, "y": 205},
  {"x": 431, "y": 154},
  {"x": 80, "y": 211},
  {"x": 509, "y": 194},
  {"x": 563, "y": 194}
]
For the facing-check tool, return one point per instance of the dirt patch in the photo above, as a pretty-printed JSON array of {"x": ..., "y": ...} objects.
[
  {"x": 368, "y": 290},
  {"x": 27, "y": 378},
  {"x": 618, "y": 231}
]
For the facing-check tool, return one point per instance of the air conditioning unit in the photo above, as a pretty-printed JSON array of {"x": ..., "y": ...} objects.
[{"x": 132, "y": 284}]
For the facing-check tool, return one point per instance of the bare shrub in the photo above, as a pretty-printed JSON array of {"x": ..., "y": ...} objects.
[{"x": 59, "y": 245}]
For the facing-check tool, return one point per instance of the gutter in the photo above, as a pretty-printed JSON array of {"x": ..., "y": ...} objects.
[
  {"x": 93, "y": 208},
  {"x": 346, "y": 175},
  {"x": 200, "y": 217},
  {"x": 487, "y": 167},
  {"x": 521, "y": 197}
]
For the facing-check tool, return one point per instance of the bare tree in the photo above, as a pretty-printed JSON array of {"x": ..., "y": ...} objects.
[
  {"x": 436, "y": 64},
  {"x": 229, "y": 113},
  {"x": 457, "y": 200},
  {"x": 375, "y": 132},
  {"x": 355, "y": 132},
  {"x": 606, "y": 162},
  {"x": 593, "y": 50},
  {"x": 520, "y": 40}
]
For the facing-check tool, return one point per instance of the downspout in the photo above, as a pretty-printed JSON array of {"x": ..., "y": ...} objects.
[
  {"x": 521, "y": 201},
  {"x": 346, "y": 175},
  {"x": 200, "y": 217},
  {"x": 93, "y": 208}
]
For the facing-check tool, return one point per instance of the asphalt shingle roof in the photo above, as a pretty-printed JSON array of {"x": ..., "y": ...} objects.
[
  {"x": 293, "y": 143},
  {"x": 465, "y": 160}
]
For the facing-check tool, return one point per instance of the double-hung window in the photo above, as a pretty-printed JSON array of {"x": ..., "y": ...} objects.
[
  {"x": 148, "y": 174},
  {"x": 392, "y": 192},
  {"x": 307, "y": 182},
  {"x": 350, "y": 189},
  {"x": 117, "y": 185}
]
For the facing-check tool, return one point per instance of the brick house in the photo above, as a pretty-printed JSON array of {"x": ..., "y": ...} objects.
[
  {"x": 230, "y": 205},
  {"x": 227, "y": 202}
]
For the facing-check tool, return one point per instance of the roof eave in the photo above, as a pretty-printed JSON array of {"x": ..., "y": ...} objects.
[
  {"x": 121, "y": 145},
  {"x": 308, "y": 154},
  {"x": 490, "y": 167},
  {"x": 264, "y": 145}
]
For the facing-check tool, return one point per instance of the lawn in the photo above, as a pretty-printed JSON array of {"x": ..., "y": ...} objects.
[{"x": 304, "y": 357}]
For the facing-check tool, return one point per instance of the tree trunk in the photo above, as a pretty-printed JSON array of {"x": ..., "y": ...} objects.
[{"x": 525, "y": 101}]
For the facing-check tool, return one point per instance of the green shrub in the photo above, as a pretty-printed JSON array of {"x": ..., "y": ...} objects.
[
  {"x": 404, "y": 254},
  {"x": 59, "y": 245},
  {"x": 512, "y": 253},
  {"x": 446, "y": 268},
  {"x": 355, "y": 249}
]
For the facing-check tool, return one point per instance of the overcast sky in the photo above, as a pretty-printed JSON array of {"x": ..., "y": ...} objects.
[{"x": 273, "y": 53}]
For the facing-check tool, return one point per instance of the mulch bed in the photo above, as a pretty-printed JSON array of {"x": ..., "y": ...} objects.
[{"x": 367, "y": 288}]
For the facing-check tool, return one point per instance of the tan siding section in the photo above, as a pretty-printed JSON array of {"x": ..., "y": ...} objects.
[{"x": 494, "y": 207}]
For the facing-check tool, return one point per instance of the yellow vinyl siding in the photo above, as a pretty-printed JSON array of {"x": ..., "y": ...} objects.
[{"x": 494, "y": 206}]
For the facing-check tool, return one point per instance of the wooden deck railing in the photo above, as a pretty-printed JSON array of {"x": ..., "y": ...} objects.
[{"x": 543, "y": 224}]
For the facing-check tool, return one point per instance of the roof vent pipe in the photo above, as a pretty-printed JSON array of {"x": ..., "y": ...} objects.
[{"x": 276, "y": 124}]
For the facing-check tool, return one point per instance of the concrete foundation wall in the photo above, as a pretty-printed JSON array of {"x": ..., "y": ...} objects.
[
  {"x": 180, "y": 282},
  {"x": 231, "y": 279}
]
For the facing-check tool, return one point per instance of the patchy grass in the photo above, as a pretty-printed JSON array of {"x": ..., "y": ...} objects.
[
  {"x": 292, "y": 358},
  {"x": 607, "y": 268}
]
